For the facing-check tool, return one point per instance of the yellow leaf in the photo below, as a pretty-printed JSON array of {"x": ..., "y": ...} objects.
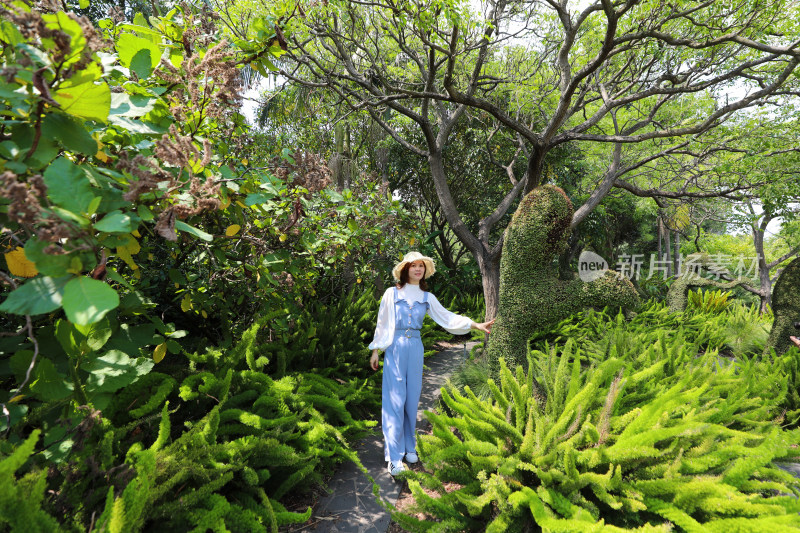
[
  {"x": 16, "y": 398},
  {"x": 124, "y": 253},
  {"x": 225, "y": 203},
  {"x": 203, "y": 312},
  {"x": 150, "y": 257},
  {"x": 160, "y": 352},
  {"x": 137, "y": 273},
  {"x": 136, "y": 233},
  {"x": 240, "y": 204},
  {"x": 283, "y": 237},
  {"x": 245, "y": 161},
  {"x": 19, "y": 265},
  {"x": 412, "y": 241},
  {"x": 232, "y": 230},
  {"x": 101, "y": 155},
  {"x": 177, "y": 284},
  {"x": 186, "y": 303},
  {"x": 358, "y": 280}
]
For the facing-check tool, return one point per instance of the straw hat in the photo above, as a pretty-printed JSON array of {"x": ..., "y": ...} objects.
[{"x": 410, "y": 257}]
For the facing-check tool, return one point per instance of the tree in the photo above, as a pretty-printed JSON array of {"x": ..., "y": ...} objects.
[{"x": 637, "y": 81}]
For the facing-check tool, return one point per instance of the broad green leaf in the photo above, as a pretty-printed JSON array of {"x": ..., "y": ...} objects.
[
  {"x": 116, "y": 222},
  {"x": 69, "y": 338},
  {"x": 131, "y": 339},
  {"x": 97, "y": 334},
  {"x": 70, "y": 132},
  {"x": 36, "y": 297},
  {"x": 48, "y": 384},
  {"x": 87, "y": 300},
  {"x": 128, "y": 45},
  {"x": 131, "y": 105},
  {"x": 142, "y": 64},
  {"x": 258, "y": 198},
  {"x": 67, "y": 186},
  {"x": 88, "y": 100},
  {"x": 114, "y": 370},
  {"x": 54, "y": 265},
  {"x": 182, "y": 226}
]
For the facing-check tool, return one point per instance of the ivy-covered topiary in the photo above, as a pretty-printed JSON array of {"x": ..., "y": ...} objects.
[
  {"x": 531, "y": 295},
  {"x": 785, "y": 307},
  {"x": 678, "y": 293}
]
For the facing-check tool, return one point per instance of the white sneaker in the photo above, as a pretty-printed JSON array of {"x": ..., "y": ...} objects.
[
  {"x": 396, "y": 469},
  {"x": 411, "y": 458}
]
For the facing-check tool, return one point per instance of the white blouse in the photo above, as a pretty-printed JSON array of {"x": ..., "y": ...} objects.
[{"x": 384, "y": 332}]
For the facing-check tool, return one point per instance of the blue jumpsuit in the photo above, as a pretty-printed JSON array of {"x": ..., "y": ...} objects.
[{"x": 402, "y": 379}]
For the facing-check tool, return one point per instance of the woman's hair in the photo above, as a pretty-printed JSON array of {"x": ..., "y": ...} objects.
[{"x": 404, "y": 277}]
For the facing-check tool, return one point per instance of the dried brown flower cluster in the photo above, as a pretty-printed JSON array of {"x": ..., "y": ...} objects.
[
  {"x": 308, "y": 170},
  {"x": 148, "y": 175},
  {"x": 206, "y": 85},
  {"x": 26, "y": 208},
  {"x": 179, "y": 150},
  {"x": 34, "y": 28}
]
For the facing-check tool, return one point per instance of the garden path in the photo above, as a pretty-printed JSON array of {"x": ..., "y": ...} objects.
[{"x": 351, "y": 507}]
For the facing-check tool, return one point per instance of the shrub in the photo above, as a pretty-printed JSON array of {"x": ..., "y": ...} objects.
[{"x": 640, "y": 430}]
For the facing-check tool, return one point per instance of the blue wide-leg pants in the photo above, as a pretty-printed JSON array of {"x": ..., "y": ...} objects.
[{"x": 402, "y": 385}]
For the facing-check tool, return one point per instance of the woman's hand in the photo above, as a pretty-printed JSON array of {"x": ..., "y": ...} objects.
[
  {"x": 485, "y": 327},
  {"x": 373, "y": 361}
]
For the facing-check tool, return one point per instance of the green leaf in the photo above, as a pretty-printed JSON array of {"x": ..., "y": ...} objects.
[
  {"x": 180, "y": 225},
  {"x": 69, "y": 338},
  {"x": 114, "y": 370},
  {"x": 116, "y": 222},
  {"x": 131, "y": 105},
  {"x": 87, "y": 300},
  {"x": 129, "y": 45},
  {"x": 48, "y": 384},
  {"x": 97, "y": 334},
  {"x": 36, "y": 297},
  {"x": 141, "y": 63},
  {"x": 55, "y": 265},
  {"x": 258, "y": 198},
  {"x": 83, "y": 4},
  {"x": 70, "y": 132},
  {"x": 88, "y": 100},
  {"x": 67, "y": 186}
]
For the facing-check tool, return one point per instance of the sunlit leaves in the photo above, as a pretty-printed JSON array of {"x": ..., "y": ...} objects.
[{"x": 87, "y": 300}]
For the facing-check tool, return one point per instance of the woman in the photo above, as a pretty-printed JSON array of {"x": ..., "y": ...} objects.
[{"x": 398, "y": 332}]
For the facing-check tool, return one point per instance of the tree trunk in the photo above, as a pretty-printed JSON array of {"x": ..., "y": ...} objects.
[
  {"x": 488, "y": 262},
  {"x": 676, "y": 253},
  {"x": 668, "y": 254},
  {"x": 660, "y": 237},
  {"x": 765, "y": 284},
  {"x": 490, "y": 276}
]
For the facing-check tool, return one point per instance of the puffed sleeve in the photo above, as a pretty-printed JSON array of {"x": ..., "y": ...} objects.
[
  {"x": 384, "y": 331},
  {"x": 455, "y": 324}
]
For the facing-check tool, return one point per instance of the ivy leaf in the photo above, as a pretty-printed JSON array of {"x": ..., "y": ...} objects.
[
  {"x": 87, "y": 300},
  {"x": 36, "y": 297},
  {"x": 67, "y": 186}
]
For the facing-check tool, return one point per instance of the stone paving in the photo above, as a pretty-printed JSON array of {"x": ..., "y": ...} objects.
[{"x": 350, "y": 506}]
